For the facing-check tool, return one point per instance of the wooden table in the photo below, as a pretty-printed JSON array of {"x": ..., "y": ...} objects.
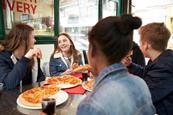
[{"x": 8, "y": 105}]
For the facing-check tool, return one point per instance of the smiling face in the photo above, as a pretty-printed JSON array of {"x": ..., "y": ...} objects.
[{"x": 64, "y": 43}]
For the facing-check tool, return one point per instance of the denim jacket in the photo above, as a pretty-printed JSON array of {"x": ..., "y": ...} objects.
[
  {"x": 58, "y": 64},
  {"x": 116, "y": 92}
]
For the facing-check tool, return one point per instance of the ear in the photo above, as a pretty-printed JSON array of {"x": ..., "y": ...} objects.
[
  {"x": 92, "y": 50},
  {"x": 146, "y": 46}
]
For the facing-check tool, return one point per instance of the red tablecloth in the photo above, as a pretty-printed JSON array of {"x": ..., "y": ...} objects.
[{"x": 75, "y": 90}]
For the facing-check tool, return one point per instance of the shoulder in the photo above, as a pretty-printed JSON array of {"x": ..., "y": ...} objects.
[
  {"x": 164, "y": 60},
  {"x": 57, "y": 55},
  {"x": 5, "y": 54},
  {"x": 90, "y": 106}
]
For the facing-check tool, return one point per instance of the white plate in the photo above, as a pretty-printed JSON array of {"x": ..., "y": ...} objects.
[
  {"x": 85, "y": 87},
  {"x": 60, "y": 97},
  {"x": 64, "y": 86}
]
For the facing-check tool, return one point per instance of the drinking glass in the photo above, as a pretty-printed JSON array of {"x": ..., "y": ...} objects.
[{"x": 48, "y": 106}]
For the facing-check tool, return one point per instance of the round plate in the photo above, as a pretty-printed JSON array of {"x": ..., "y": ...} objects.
[
  {"x": 60, "y": 97},
  {"x": 63, "y": 86},
  {"x": 85, "y": 86}
]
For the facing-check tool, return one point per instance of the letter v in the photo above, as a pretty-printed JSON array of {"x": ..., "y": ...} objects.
[{"x": 11, "y": 6}]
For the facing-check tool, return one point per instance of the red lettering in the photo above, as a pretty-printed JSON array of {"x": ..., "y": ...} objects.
[
  {"x": 33, "y": 8},
  {"x": 11, "y": 6},
  {"x": 26, "y": 7},
  {"x": 18, "y": 6}
]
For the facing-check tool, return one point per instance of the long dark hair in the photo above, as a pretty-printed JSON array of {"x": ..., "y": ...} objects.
[
  {"x": 73, "y": 50},
  {"x": 113, "y": 36},
  {"x": 18, "y": 36}
]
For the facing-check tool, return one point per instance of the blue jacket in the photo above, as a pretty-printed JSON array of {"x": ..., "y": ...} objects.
[
  {"x": 116, "y": 92},
  {"x": 58, "y": 64},
  {"x": 11, "y": 74},
  {"x": 158, "y": 75}
]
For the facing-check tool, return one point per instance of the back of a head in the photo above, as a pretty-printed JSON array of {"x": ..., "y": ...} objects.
[
  {"x": 113, "y": 36},
  {"x": 155, "y": 34},
  {"x": 18, "y": 35}
]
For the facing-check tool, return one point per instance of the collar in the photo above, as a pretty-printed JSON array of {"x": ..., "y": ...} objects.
[
  {"x": 57, "y": 55},
  {"x": 13, "y": 58},
  {"x": 108, "y": 70},
  {"x": 166, "y": 53},
  {"x": 60, "y": 55}
]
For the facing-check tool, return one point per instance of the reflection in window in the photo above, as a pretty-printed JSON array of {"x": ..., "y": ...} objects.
[
  {"x": 37, "y": 13},
  {"x": 109, "y": 8},
  {"x": 76, "y": 18}
]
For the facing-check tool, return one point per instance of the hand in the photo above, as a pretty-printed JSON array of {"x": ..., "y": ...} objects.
[
  {"x": 33, "y": 53},
  {"x": 68, "y": 71},
  {"x": 126, "y": 61}
]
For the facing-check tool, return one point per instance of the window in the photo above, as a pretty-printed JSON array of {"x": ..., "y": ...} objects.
[
  {"x": 151, "y": 11},
  {"x": 109, "y": 8},
  {"x": 50, "y": 17},
  {"x": 37, "y": 13},
  {"x": 76, "y": 18}
]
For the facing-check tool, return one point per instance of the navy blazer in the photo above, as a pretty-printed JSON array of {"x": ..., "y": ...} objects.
[
  {"x": 11, "y": 74},
  {"x": 158, "y": 75}
]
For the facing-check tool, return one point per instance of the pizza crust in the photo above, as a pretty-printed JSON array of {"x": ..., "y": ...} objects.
[
  {"x": 36, "y": 94},
  {"x": 26, "y": 103},
  {"x": 86, "y": 67}
]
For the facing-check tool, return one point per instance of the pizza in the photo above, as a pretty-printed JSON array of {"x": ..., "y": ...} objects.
[
  {"x": 33, "y": 97},
  {"x": 64, "y": 80},
  {"x": 82, "y": 68},
  {"x": 88, "y": 85},
  {"x": 74, "y": 66}
]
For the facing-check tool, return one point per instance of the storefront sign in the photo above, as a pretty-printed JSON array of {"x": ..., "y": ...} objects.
[{"x": 25, "y": 6}]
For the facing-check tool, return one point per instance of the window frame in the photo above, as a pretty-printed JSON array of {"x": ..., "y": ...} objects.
[{"x": 49, "y": 39}]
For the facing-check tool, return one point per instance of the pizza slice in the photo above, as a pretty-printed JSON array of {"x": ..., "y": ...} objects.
[
  {"x": 64, "y": 81},
  {"x": 83, "y": 68},
  {"x": 34, "y": 96}
]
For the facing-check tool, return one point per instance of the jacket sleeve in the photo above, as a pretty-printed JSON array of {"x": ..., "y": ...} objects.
[
  {"x": 56, "y": 68},
  {"x": 11, "y": 74},
  {"x": 136, "y": 69}
]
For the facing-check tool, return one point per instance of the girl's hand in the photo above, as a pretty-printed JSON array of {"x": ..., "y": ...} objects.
[
  {"x": 126, "y": 61},
  {"x": 33, "y": 53},
  {"x": 68, "y": 71}
]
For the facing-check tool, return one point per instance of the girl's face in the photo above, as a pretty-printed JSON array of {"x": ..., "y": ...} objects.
[
  {"x": 31, "y": 40},
  {"x": 64, "y": 43}
]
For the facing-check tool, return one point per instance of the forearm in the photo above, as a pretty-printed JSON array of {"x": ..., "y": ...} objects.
[
  {"x": 136, "y": 69},
  {"x": 12, "y": 77}
]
